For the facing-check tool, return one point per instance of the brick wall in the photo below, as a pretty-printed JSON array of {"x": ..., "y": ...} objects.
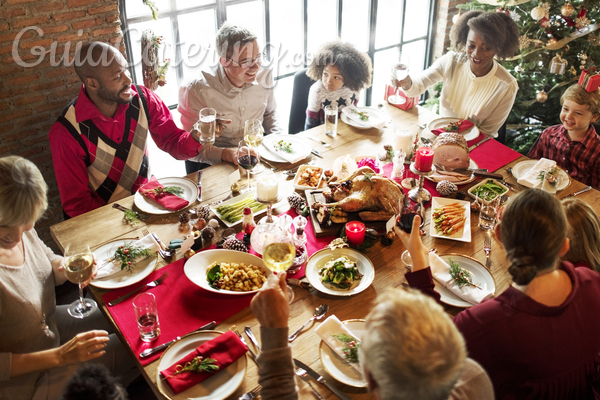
[
  {"x": 446, "y": 10},
  {"x": 32, "y": 97}
]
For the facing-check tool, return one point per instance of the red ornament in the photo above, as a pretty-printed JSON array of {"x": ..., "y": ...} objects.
[
  {"x": 582, "y": 12},
  {"x": 503, "y": 10},
  {"x": 545, "y": 22}
]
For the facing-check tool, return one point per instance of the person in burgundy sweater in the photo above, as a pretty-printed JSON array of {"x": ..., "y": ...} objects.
[
  {"x": 98, "y": 143},
  {"x": 539, "y": 339}
]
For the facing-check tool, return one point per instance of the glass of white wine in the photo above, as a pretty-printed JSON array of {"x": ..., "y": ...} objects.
[
  {"x": 253, "y": 136},
  {"x": 279, "y": 253},
  {"x": 399, "y": 72},
  {"x": 79, "y": 267}
]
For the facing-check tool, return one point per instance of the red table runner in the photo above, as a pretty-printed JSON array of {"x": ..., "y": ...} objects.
[{"x": 182, "y": 308}]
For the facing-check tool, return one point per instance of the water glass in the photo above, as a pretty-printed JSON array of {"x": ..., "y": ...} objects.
[
  {"x": 331, "y": 116},
  {"x": 146, "y": 315},
  {"x": 488, "y": 213},
  {"x": 207, "y": 124}
]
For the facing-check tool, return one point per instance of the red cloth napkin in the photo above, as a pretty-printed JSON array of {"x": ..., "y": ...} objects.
[
  {"x": 225, "y": 349},
  {"x": 182, "y": 308},
  {"x": 464, "y": 125},
  {"x": 167, "y": 200}
]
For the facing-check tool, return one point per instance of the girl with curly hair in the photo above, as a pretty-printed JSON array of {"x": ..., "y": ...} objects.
[
  {"x": 476, "y": 86},
  {"x": 341, "y": 71}
]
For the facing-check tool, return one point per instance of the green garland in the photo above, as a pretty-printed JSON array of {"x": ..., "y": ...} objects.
[
  {"x": 350, "y": 348},
  {"x": 197, "y": 365},
  {"x": 128, "y": 253},
  {"x": 460, "y": 276}
]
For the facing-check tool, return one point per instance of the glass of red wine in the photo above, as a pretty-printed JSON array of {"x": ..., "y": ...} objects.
[
  {"x": 407, "y": 215},
  {"x": 247, "y": 158}
]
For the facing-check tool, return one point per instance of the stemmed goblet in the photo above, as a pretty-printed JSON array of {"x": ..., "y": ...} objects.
[
  {"x": 247, "y": 158},
  {"x": 253, "y": 136},
  {"x": 79, "y": 267},
  {"x": 399, "y": 72}
]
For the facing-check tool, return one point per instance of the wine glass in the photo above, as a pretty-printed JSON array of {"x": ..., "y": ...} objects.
[
  {"x": 399, "y": 72},
  {"x": 279, "y": 253},
  {"x": 79, "y": 267},
  {"x": 247, "y": 158},
  {"x": 407, "y": 215},
  {"x": 253, "y": 136}
]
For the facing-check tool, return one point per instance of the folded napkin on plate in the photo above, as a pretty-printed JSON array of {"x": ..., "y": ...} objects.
[
  {"x": 441, "y": 273},
  {"x": 167, "y": 200},
  {"x": 147, "y": 242},
  {"x": 532, "y": 177},
  {"x": 225, "y": 349},
  {"x": 329, "y": 329},
  {"x": 464, "y": 125},
  {"x": 271, "y": 141},
  {"x": 352, "y": 113}
]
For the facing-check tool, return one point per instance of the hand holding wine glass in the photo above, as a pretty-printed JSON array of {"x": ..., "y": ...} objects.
[
  {"x": 400, "y": 78},
  {"x": 79, "y": 268},
  {"x": 279, "y": 253}
]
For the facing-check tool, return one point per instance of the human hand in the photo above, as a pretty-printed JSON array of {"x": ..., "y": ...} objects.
[
  {"x": 83, "y": 347},
  {"x": 229, "y": 155},
  {"x": 221, "y": 125},
  {"x": 413, "y": 243},
  {"x": 405, "y": 83},
  {"x": 94, "y": 273},
  {"x": 270, "y": 305}
]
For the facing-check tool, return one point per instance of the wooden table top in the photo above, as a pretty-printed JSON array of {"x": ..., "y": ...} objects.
[{"x": 106, "y": 224}]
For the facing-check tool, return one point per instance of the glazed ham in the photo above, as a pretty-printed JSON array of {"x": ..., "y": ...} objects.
[{"x": 451, "y": 150}]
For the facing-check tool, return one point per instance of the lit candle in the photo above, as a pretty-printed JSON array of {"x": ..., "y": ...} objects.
[
  {"x": 403, "y": 141},
  {"x": 267, "y": 188},
  {"x": 355, "y": 232},
  {"x": 424, "y": 159}
]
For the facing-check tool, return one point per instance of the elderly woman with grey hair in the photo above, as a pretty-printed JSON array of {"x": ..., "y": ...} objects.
[
  {"x": 41, "y": 344},
  {"x": 476, "y": 86}
]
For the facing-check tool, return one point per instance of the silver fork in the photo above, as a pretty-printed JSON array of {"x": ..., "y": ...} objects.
[
  {"x": 152, "y": 284},
  {"x": 233, "y": 329},
  {"x": 304, "y": 375},
  {"x": 487, "y": 247},
  {"x": 251, "y": 394},
  {"x": 166, "y": 253}
]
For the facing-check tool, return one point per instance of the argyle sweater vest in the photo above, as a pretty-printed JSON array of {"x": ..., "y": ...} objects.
[{"x": 115, "y": 170}]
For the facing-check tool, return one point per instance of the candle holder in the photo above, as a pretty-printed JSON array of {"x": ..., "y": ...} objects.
[
  {"x": 270, "y": 218},
  {"x": 419, "y": 193}
]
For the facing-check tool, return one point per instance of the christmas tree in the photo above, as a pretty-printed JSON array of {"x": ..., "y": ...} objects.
[{"x": 558, "y": 40}]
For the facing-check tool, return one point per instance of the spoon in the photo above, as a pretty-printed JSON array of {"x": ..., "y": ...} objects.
[{"x": 317, "y": 314}]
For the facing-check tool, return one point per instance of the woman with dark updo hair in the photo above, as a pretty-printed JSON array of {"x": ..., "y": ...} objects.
[
  {"x": 476, "y": 86},
  {"x": 540, "y": 338}
]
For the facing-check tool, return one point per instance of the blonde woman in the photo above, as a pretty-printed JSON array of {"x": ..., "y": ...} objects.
[
  {"x": 583, "y": 231},
  {"x": 40, "y": 344}
]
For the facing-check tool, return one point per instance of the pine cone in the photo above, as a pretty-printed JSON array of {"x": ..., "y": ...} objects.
[
  {"x": 184, "y": 218},
  {"x": 446, "y": 188},
  {"x": 460, "y": 196},
  {"x": 235, "y": 244},
  {"x": 203, "y": 212},
  {"x": 295, "y": 200}
]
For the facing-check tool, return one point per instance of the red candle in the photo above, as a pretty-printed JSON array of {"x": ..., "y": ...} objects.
[
  {"x": 424, "y": 159},
  {"x": 355, "y": 232}
]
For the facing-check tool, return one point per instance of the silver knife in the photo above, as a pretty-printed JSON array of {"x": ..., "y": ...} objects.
[
  {"x": 251, "y": 337},
  {"x": 154, "y": 350},
  {"x": 320, "y": 379},
  {"x": 483, "y": 141},
  {"x": 316, "y": 153},
  {"x": 199, "y": 185}
]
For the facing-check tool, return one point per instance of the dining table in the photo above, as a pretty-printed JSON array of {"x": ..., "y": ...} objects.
[{"x": 106, "y": 224}]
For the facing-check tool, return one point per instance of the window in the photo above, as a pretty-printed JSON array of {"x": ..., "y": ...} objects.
[{"x": 293, "y": 30}]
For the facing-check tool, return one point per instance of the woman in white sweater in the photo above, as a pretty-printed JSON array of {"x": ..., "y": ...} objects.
[
  {"x": 40, "y": 344},
  {"x": 475, "y": 86}
]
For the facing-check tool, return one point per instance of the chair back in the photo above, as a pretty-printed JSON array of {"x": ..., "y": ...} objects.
[{"x": 302, "y": 84}]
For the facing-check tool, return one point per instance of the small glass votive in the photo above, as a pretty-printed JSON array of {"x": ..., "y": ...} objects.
[{"x": 146, "y": 315}]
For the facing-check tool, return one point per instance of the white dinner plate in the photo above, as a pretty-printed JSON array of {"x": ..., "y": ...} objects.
[
  {"x": 299, "y": 146},
  {"x": 196, "y": 267},
  {"x": 469, "y": 134},
  {"x": 467, "y": 179},
  {"x": 217, "y": 387},
  {"x": 123, "y": 278},
  {"x": 321, "y": 257},
  {"x": 466, "y": 232},
  {"x": 376, "y": 118},
  {"x": 336, "y": 366},
  {"x": 481, "y": 277},
  {"x": 146, "y": 205},
  {"x": 521, "y": 168}
]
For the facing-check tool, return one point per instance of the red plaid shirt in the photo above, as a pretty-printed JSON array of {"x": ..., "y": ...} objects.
[{"x": 580, "y": 158}]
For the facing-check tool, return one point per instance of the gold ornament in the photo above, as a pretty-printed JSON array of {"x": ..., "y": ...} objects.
[
  {"x": 593, "y": 39},
  {"x": 582, "y": 22},
  {"x": 552, "y": 40},
  {"x": 541, "y": 97},
  {"x": 567, "y": 10},
  {"x": 538, "y": 13},
  {"x": 558, "y": 65},
  {"x": 188, "y": 254},
  {"x": 524, "y": 42},
  {"x": 573, "y": 70}
]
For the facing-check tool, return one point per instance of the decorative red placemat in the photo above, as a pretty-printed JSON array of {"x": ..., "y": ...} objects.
[
  {"x": 493, "y": 155},
  {"x": 180, "y": 311}
]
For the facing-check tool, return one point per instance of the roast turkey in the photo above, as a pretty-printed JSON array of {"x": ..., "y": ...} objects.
[
  {"x": 374, "y": 197},
  {"x": 451, "y": 150}
]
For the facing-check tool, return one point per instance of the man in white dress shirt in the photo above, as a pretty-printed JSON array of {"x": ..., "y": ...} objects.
[{"x": 237, "y": 88}]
